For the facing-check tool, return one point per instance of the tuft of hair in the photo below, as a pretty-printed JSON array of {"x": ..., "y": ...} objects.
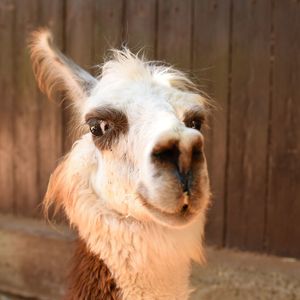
[
  {"x": 123, "y": 65},
  {"x": 53, "y": 199}
]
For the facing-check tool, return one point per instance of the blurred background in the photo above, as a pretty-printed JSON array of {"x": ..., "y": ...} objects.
[{"x": 244, "y": 54}]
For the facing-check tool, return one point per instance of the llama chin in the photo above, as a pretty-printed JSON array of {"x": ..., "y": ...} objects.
[{"x": 135, "y": 184}]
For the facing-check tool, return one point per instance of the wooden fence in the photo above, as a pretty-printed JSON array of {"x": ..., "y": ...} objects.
[{"x": 245, "y": 54}]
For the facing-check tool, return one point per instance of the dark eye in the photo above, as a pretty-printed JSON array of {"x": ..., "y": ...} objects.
[
  {"x": 98, "y": 127},
  {"x": 196, "y": 124}
]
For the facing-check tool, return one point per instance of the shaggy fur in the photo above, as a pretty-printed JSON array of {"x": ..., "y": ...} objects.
[
  {"x": 90, "y": 278},
  {"x": 139, "y": 202}
]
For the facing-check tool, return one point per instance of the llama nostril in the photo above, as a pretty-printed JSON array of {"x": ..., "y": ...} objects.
[{"x": 166, "y": 154}]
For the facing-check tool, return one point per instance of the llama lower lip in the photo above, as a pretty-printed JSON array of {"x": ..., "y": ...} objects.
[{"x": 179, "y": 218}]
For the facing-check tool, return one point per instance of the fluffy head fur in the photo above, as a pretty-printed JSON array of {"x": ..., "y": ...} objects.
[{"x": 139, "y": 203}]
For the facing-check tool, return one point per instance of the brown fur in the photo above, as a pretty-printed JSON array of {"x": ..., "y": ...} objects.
[{"x": 90, "y": 278}]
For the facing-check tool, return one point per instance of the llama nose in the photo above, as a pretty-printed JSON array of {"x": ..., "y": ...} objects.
[
  {"x": 185, "y": 180},
  {"x": 179, "y": 153}
]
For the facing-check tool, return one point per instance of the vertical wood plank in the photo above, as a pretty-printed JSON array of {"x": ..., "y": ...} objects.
[
  {"x": 174, "y": 32},
  {"x": 7, "y": 70},
  {"x": 283, "y": 227},
  {"x": 246, "y": 190},
  {"x": 50, "y": 128},
  {"x": 108, "y": 27},
  {"x": 141, "y": 26},
  {"x": 37, "y": 129},
  {"x": 80, "y": 15},
  {"x": 79, "y": 45},
  {"x": 25, "y": 115},
  {"x": 210, "y": 64}
]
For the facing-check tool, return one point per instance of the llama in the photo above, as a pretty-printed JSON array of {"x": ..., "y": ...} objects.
[{"x": 135, "y": 184}]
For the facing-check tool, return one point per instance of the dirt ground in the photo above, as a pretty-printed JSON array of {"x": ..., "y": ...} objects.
[{"x": 231, "y": 275}]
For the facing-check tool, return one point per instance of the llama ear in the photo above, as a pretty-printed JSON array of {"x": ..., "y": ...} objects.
[{"x": 58, "y": 76}]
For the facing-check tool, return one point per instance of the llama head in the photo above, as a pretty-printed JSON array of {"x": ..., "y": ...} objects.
[{"x": 141, "y": 152}]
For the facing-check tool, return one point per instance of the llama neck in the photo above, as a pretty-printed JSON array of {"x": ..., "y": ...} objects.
[
  {"x": 147, "y": 261},
  {"x": 90, "y": 278}
]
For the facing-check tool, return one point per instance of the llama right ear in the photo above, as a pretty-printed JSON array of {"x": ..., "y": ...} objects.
[{"x": 58, "y": 76}]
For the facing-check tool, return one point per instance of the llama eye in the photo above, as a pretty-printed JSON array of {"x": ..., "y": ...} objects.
[
  {"x": 98, "y": 128},
  {"x": 196, "y": 124}
]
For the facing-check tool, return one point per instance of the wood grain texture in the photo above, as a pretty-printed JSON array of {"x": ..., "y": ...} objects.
[
  {"x": 79, "y": 46},
  {"x": 7, "y": 82},
  {"x": 141, "y": 24},
  {"x": 175, "y": 32},
  {"x": 80, "y": 18},
  {"x": 50, "y": 129},
  {"x": 109, "y": 27},
  {"x": 26, "y": 114},
  {"x": 283, "y": 226},
  {"x": 210, "y": 64},
  {"x": 249, "y": 113},
  {"x": 37, "y": 130}
]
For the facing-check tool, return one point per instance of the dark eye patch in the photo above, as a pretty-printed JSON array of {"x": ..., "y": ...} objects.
[
  {"x": 118, "y": 125},
  {"x": 194, "y": 118}
]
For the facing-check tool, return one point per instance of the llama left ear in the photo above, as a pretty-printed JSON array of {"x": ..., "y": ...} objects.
[{"x": 58, "y": 76}]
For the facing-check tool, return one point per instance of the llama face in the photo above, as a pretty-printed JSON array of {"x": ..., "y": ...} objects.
[
  {"x": 143, "y": 152},
  {"x": 151, "y": 163}
]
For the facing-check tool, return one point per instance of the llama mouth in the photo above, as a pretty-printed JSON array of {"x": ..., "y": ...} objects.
[{"x": 176, "y": 219}]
